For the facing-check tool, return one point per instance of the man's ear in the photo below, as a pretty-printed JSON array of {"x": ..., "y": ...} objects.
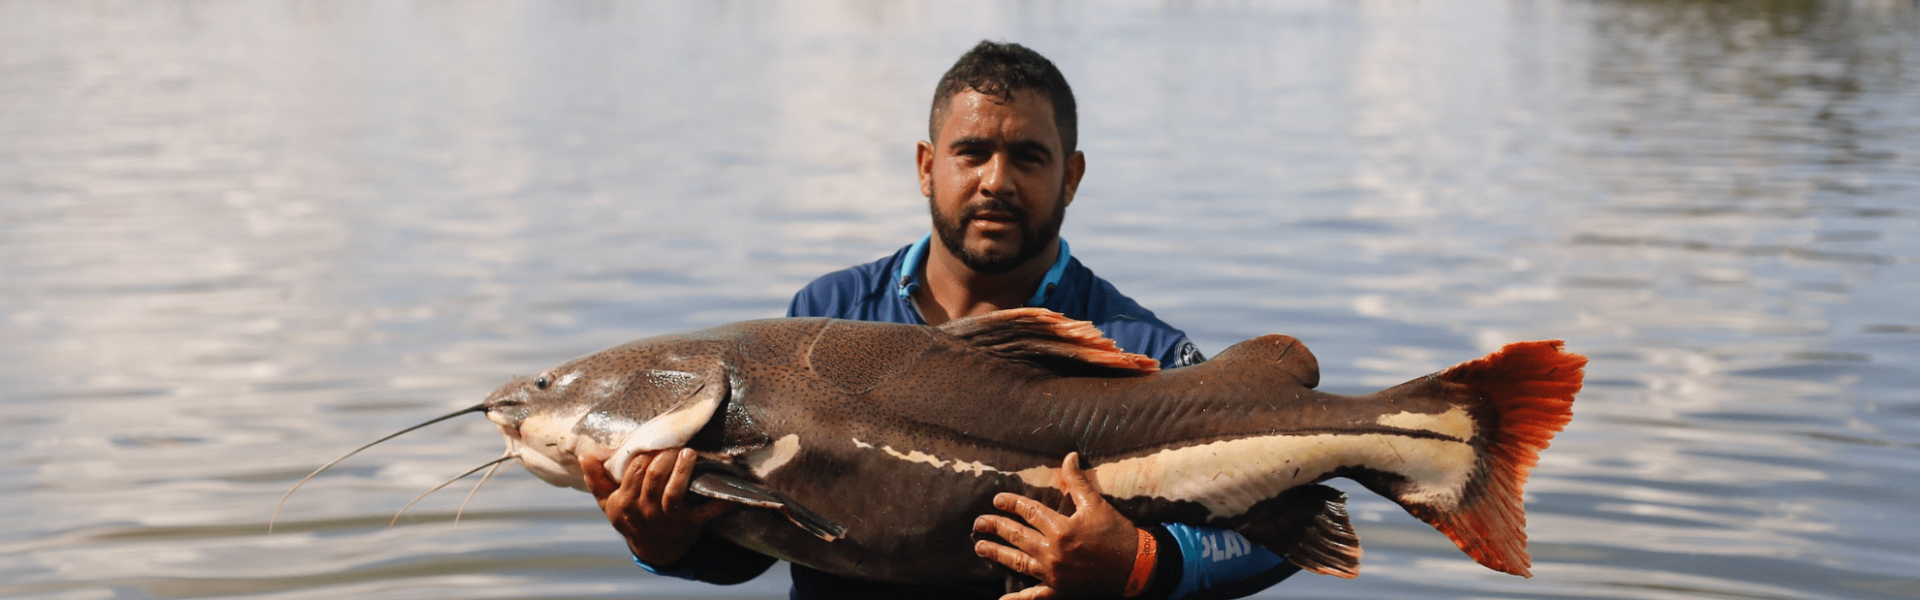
[
  {"x": 1076, "y": 168},
  {"x": 924, "y": 156}
]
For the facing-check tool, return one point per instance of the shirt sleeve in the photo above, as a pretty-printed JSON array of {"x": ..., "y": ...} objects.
[
  {"x": 801, "y": 306},
  {"x": 713, "y": 560},
  {"x": 1218, "y": 563}
]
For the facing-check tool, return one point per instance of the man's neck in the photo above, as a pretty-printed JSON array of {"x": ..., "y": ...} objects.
[{"x": 950, "y": 290}]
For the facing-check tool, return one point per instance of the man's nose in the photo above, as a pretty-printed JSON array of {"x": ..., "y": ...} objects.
[{"x": 996, "y": 177}]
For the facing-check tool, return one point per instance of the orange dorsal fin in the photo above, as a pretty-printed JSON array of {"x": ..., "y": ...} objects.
[
  {"x": 1049, "y": 339},
  {"x": 1529, "y": 387}
]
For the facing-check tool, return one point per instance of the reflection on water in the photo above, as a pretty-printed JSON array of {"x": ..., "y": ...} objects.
[{"x": 239, "y": 238}]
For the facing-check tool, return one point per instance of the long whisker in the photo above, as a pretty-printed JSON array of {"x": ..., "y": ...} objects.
[
  {"x": 476, "y": 487},
  {"x": 403, "y": 510},
  {"x": 303, "y": 480}
]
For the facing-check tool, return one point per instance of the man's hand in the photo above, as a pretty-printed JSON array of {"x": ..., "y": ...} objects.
[
  {"x": 648, "y": 505},
  {"x": 1087, "y": 554}
]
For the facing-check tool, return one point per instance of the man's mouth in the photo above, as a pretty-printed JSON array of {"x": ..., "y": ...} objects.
[
  {"x": 993, "y": 225},
  {"x": 994, "y": 219}
]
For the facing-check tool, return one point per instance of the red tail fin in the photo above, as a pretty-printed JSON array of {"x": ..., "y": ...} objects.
[{"x": 1527, "y": 389}]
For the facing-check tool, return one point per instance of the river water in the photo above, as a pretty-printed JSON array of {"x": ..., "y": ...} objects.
[{"x": 240, "y": 238}]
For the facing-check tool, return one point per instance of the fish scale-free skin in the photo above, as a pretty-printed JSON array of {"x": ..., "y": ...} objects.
[{"x": 903, "y": 434}]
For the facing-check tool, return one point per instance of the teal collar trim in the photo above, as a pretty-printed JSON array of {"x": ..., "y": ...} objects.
[
  {"x": 908, "y": 277},
  {"x": 1052, "y": 280}
]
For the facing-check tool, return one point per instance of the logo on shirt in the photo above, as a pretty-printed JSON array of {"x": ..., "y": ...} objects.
[
  {"x": 1224, "y": 546},
  {"x": 1189, "y": 355}
]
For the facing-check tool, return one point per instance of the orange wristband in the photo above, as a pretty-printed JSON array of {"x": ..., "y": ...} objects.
[{"x": 1142, "y": 565}]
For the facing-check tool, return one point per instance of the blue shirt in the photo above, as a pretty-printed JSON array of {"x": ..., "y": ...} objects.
[{"x": 883, "y": 291}]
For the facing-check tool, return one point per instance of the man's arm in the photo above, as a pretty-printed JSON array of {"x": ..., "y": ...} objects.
[
  {"x": 649, "y": 507},
  {"x": 1090, "y": 553},
  {"x": 1096, "y": 551},
  {"x": 1211, "y": 563}
]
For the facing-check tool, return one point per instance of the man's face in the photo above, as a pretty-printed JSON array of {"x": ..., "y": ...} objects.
[{"x": 996, "y": 180}]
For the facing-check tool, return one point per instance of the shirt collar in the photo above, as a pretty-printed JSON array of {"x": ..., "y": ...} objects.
[{"x": 908, "y": 277}]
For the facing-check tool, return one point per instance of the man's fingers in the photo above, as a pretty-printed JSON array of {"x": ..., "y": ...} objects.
[
  {"x": 1075, "y": 482},
  {"x": 654, "y": 481},
  {"x": 1022, "y": 537},
  {"x": 628, "y": 491},
  {"x": 636, "y": 467},
  {"x": 1019, "y": 561},
  {"x": 598, "y": 483},
  {"x": 677, "y": 482},
  {"x": 1034, "y": 513},
  {"x": 1038, "y": 592}
]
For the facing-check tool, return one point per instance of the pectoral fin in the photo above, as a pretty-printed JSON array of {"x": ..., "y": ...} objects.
[
  {"x": 675, "y": 426},
  {"x": 734, "y": 488}
]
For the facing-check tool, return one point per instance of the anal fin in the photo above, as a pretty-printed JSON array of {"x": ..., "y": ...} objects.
[
  {"x": 734, "y": 488},
  {"x": 1309, "y": 526},
  {"x": 1330, "y": 546}
]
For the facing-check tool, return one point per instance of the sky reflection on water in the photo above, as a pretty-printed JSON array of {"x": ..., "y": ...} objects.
[{"x": 239, "y": 238}]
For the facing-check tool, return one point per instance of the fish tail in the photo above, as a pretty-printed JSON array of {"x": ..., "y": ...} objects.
[{"x": 1524, "y": 394}]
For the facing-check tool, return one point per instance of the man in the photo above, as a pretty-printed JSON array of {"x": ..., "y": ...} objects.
[{"x": 999, "y": 171}]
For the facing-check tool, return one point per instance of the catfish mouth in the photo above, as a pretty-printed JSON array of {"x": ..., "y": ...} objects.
[
  {"x": 544, "y": 447},
  {"x": 538, "y": 438},
  {"x": 551, "y": 469}
]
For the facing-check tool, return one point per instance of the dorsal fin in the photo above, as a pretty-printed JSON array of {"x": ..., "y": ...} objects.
[{"x": 1051, "y": 340}]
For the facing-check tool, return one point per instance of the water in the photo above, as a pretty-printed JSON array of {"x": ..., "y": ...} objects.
[{"x": 238, "y": 238}]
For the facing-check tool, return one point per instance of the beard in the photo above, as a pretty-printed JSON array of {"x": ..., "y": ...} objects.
[{"x": 952, "y": 231}]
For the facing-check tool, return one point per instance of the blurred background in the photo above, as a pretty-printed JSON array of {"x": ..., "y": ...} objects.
[{"x": 238, "y": 238}]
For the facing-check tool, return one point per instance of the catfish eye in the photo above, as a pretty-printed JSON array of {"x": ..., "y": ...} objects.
[{"x": 540, "y": 383}]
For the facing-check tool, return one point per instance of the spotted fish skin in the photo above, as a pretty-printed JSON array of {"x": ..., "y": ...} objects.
[{"x": 901, "y": 435}]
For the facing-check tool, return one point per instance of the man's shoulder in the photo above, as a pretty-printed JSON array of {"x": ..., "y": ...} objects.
[
  {"x": 1096, "y": 299},
  {"x": 1127, "y": 322},
  {"x": 849, "y": 292}
]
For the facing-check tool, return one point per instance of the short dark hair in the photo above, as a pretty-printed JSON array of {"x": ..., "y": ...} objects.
[{"x": 997, "y": 69}]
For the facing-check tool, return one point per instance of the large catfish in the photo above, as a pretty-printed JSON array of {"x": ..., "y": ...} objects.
[{"x": 867, "y": 449}]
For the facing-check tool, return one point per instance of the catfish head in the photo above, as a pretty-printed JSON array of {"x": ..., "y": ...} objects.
[
  {"x": 609, "y": 405},
  {"x": 647, "y": 395}
]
